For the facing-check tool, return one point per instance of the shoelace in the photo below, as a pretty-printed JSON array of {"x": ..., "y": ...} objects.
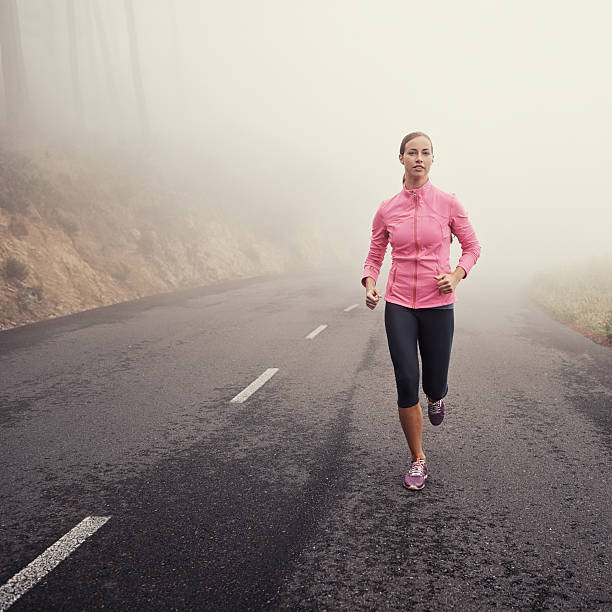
[
  {"x": 435, "y": 407},
  {"x": 417, "y": 467}
]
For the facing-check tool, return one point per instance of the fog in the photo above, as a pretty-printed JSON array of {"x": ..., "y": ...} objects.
[{"x": 288, "y": 112}]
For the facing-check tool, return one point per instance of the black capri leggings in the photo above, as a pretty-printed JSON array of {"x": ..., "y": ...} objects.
[{"x": 433, "y": 329}]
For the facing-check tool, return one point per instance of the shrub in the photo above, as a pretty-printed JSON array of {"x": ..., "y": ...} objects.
[
  {"x": 28, "y": 296},
  {"x": 121, "y": 272},
  {"x": 14, "y": 269},
  {"x": 67, "y": 222},
  {"x": 148, "y": 242},
  {"x": 12, "y": 201},
  {"x": 37, "y": 292},
  {"x": 18, "y": 228},
  {"x": 16, "y": 186},
  {"x": 609, "y": 327},
  {"x": 252, "y": 254}
]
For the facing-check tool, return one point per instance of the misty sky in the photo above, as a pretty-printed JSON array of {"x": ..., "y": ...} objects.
[{"x": 302, "y": 106}]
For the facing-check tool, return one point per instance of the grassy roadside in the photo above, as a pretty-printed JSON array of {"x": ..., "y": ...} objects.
[{"x": 579, "y": 296}]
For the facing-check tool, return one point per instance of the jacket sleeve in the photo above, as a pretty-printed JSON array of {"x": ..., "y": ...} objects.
[
  {"x": 378, "y": 248},
  {"x": 462, "y": 228}
]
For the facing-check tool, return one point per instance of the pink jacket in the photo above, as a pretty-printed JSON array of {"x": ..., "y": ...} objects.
[{"x": 418, "y": 224}]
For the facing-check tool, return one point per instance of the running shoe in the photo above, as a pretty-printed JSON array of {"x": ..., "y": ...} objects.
[
  {"x": 435, "y": 411},
  {"x": 415, "y": 478}
]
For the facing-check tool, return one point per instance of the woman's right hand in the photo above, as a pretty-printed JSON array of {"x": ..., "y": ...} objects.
[{"x": 372, "y": 297}]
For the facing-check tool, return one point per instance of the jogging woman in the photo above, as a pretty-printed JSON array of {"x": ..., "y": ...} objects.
[{"x": 419, "y": 222}]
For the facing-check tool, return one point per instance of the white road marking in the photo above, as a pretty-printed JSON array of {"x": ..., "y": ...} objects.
[
  {"x": 258, "y": 382},
  {"x": 24, "y": 580},
  {"x": 313, "y": 333},
  {"x": 351, "y": 307}
]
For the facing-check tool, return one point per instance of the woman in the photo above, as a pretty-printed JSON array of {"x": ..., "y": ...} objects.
[{"x": 419, "y": 222}]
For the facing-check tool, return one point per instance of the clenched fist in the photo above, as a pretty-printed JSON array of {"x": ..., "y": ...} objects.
[
  {"x": 372, "y": 297},
  {"x": 448, "y": 282}
]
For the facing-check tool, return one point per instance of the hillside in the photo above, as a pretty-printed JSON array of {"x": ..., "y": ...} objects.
[{"x": 75, "y": 235}]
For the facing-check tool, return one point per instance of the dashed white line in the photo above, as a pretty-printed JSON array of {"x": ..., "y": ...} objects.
[
  {"x": 258, "y": 382},
  {"x": 348, "y": 308},
  {"x": 314, "y": 332},
  {"x": 24, "y": 580}
]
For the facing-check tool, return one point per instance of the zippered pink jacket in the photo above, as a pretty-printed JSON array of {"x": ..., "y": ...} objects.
[{"x": 418, "y": 224}]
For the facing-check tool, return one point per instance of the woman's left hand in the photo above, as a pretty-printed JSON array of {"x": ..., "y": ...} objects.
[{"x": 447, "y": 282}]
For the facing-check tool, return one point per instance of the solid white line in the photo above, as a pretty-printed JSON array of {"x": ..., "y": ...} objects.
[
  {"x": 313, "y": 333},
  {"x": 258, "y": 382},
  {"x": 34, "y": 572},
  {"x": 351, "y": 307}
]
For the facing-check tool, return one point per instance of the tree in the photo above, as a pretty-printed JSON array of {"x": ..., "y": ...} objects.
[
  {"x": 138, "y": 88},
  {"x": 74, "y": 66},
  {"x": 176, "y": 56},
  {"x": 110, "y": 79},
  {"x": 13, "y": 69}
]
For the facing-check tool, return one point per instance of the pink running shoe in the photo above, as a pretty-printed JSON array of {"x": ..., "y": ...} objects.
[
  {"x": 415, "y": 478},
  {"x": 435, "y": 411}
]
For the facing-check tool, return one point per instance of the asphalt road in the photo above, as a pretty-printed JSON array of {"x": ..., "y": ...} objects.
[{"x": 293, "y": 499}]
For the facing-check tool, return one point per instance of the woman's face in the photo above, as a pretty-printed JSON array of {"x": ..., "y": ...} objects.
[{"x": 417, "y": 157}]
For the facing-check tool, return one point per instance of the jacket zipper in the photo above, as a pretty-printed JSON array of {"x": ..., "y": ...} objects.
[{"x": 416, "y": 246}]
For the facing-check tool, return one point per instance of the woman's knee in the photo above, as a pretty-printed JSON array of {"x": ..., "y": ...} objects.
[
  {"x": 407, "y": 393},
  {"x": 406, "y": 406},
  {"x": 435, "y": 391}
]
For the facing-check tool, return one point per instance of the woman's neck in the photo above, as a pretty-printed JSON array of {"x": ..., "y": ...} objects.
[{"x": 415, "y": 184}]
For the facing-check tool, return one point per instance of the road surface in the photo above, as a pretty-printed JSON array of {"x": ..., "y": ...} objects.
[{"x": 292, "y": 499}]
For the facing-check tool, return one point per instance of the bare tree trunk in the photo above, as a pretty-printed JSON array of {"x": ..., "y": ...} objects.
[
  {"x": 92, "y": 103},
  {"x": 74, "y": 65},
  {"x": 178, "y": 63},
  {"x": 113, "y": 95},
  {"x": 13, "y": 69},
  {"x": 91, "y": 48},
  {"x": 138, "y": 88}
]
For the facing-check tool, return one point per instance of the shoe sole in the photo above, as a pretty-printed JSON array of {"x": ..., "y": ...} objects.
[{"x": 414, "y": 488}]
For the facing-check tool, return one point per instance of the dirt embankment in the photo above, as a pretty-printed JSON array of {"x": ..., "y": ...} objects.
[{"x": 74, "y": 236}]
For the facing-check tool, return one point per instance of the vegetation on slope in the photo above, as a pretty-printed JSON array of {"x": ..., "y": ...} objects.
[
  {"x": 580, "y": 296},
  {"x": 77, "y": 234}
]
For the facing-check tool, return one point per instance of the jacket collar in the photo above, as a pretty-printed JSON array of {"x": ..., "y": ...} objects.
[{"x": 424, "y": 189}]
